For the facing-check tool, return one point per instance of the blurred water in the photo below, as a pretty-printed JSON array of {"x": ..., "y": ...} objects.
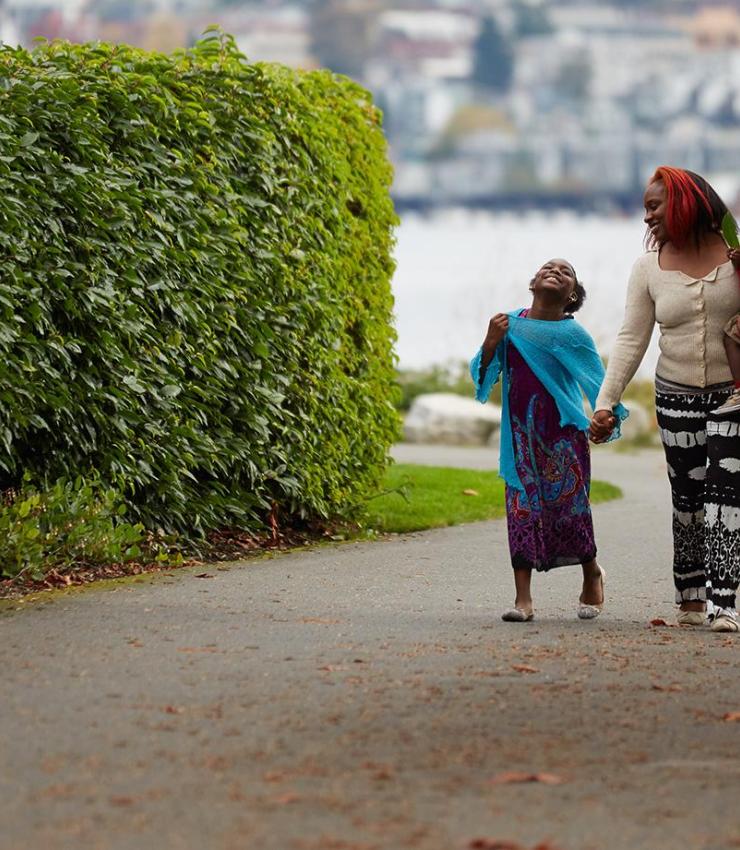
[{"x": 456, "y": 268}]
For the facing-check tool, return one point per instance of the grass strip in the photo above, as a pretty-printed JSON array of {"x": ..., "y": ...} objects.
[{"x": 418, "y": 497}]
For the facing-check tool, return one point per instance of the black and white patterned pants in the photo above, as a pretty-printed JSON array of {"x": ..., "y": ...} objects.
[{"x": 703, "y": 455}]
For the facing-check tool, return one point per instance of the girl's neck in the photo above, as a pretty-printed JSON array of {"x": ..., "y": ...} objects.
[{"x": 545, "y": 311}]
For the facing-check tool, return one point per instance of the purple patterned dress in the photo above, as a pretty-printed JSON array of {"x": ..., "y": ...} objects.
[{"x": 550, "y": 523}]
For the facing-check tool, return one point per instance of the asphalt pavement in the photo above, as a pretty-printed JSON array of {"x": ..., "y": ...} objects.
[{"x": 367, "y": 696}]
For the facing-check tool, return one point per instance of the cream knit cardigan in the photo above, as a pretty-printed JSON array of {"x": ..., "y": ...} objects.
[{"x": 691, "y": 315}]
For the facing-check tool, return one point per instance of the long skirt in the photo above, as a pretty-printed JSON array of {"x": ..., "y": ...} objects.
[
  {"x": 703, "y": 457},
  {"x": 549, "y": 523}
]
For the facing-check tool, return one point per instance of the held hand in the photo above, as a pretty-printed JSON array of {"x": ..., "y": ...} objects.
[
  {"x": 734, "y": 255},
  {"x": 497, "y": 328},
  {"x": 602, "y": 425}
]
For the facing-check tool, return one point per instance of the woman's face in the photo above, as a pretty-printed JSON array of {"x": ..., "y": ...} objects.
[
  {"x": 656, "y": 199},
  {"x": 556, "y": 277}
]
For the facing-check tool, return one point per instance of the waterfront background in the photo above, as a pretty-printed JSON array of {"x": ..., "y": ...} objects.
[
  {"x": 518, "y": 129},
  {"x": 457, "y": 267}
]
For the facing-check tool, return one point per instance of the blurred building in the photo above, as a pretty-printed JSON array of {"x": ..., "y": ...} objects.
[{"x": 600, "y": 91}]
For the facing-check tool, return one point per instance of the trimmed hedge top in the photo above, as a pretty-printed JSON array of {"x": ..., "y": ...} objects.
[{"x": 195, "y": 264}]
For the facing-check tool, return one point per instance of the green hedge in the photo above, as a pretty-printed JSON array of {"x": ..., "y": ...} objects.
[{"x": 195, "y": 263}]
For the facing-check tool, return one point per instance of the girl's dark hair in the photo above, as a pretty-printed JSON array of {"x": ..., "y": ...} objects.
[
  {"x": 693, "y": 208},
  {"x": 580, "y": 293}
]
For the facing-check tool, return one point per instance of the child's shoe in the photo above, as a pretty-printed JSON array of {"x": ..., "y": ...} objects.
[{"x": 732, "y": 405}]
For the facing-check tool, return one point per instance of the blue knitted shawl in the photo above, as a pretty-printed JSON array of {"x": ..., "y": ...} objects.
[{"x": 564, "y": 358}]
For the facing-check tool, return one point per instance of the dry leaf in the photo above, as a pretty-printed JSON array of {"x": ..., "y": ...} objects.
[
  {"x": 732, "y": 717},
  {"x": 285, "y": 799},
  {"x": 197, "y": 649},
  {"x": 324, "y": 621},
  {"x": 524, "y": 668},
  {"x": 384, "y": 774},
  {"x": 494, "y": 844},
  {"x": 332, "y": 668},
  {"x": 659, "y": 621},
  {"x": 514, "y": 776},
  {"x": 204, "y": 575},
  {"x": 470, "y": 492},
  {"x": 659, "y": 687}
]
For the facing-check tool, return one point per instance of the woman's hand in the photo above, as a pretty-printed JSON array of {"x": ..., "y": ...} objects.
[
  {"x": 734, "y": 255},
  {"x": 602, "y": 425},
  {"x": 497, "y": 328}
]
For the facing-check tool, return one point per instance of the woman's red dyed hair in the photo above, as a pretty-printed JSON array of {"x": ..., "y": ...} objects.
[{"x": 692, "y": 206}]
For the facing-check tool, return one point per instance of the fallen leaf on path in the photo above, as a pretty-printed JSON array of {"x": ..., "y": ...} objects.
[
  {"x": 659, "y": 621},
  {"x": 514, "y": 776},
  {"x": 197, "y": 649},
  {"x": 324, "y": 621},
  {"x": 173, "y": 709},
  {"x": 285, "y": 799},
  {"x": 674, "y": 687},
  {"x": 332, "y": 668},
  {"x": 384, "y": 774},
  {"x": 204, "y": 575},
  {"x": 524, "y": 668},
  {"x": 498, "y": 844},
  {"x": 470, "y": 493},
  {"x": 732, "y": 717}
]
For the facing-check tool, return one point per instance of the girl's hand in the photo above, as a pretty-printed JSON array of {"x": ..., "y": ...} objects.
[
  {"x": 497, "y": 328},
  {"x": 602, "y": 425},
  {"x": 734, "y": 255}
]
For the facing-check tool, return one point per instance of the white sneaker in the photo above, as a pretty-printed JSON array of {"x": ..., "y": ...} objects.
[
  {"x": 726, "y": 621},
  {"x": 732, "y": 404},
  {"x": 690, "y": 618}
]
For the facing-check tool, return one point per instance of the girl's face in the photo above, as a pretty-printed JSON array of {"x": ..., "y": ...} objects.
[{"x": 556, "y": 277}]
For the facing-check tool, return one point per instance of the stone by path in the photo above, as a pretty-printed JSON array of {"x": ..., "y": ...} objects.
[{"x": 368, "y": 697}]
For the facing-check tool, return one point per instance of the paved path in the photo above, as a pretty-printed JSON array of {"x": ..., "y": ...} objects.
[{"x": 367, "y": 697}]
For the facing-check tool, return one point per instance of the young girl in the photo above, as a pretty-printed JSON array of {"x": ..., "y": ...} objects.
[{"x": 547, "y": 361}]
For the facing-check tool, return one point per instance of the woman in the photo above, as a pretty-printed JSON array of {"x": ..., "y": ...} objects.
[
  {"x": 548, "y": 361},
  {"x": 686, "y": 283}
]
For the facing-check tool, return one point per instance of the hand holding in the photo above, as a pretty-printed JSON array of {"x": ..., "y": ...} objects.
[
  {"x": 497, "y": 328},
  {"x": 734, "y": 255},
  {"x": 602, "y": 425}
]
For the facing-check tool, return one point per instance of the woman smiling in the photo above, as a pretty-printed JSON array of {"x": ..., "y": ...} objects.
[{"x": 687, "y": 284}]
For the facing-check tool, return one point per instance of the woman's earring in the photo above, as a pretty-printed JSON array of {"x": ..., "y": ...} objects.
[{"x": 573, "y": 297}]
